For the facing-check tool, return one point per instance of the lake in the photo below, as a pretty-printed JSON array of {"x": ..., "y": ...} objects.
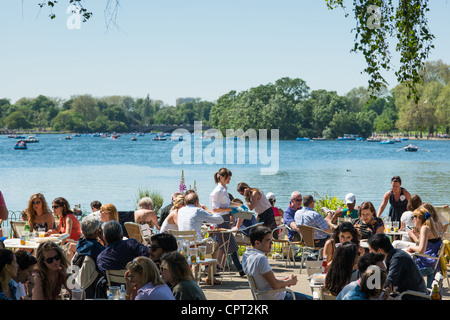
[{"x": 88, "y": 168}]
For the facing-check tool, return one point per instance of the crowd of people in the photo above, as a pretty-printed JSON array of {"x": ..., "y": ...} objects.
[{"x": 158, "y": 271}]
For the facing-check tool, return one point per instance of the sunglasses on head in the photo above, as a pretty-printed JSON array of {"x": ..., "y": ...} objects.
[{"x": 50, "y": 260}]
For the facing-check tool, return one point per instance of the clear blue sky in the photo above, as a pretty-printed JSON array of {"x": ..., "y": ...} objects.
[{"x": 185, "y": 48}]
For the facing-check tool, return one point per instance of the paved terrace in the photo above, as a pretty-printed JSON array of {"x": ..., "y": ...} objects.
[{"x": 234, "y": 287}]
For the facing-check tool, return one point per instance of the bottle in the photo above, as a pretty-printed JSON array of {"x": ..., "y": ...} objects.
[
  {"x": 324, "y": 265},
  {"x": 122, "y": 292},
  {"x": 27, "y": 227},
  {"x": 435, "y": 295}
]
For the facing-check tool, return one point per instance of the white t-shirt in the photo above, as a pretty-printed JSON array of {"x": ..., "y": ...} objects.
[
  {"x": 20, "y": 290},
  {"x": 407, "y": 219},
  {"x": 255, "y": 263}
]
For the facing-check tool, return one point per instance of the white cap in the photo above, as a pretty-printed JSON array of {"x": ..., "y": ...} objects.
[
  {"x": 350, "y": 198},
  {"x": 271, "y": 195}
]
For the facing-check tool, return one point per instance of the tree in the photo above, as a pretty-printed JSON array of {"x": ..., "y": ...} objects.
[
  {"x": 85, "y": 105},
  {"x": 17, "y": 120}
]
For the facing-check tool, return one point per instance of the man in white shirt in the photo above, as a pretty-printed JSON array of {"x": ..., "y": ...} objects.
[
  {"x": 255, "y": 263},
  {"x": 192, "y": 216}
]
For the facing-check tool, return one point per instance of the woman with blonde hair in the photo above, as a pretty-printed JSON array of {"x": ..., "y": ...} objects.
[
  {"x": 143, "y": 281},
  {"x": 108, "y": 212},
  {"x": 38, "y": 214},
  {"x": 51, "y": 272},
  {"x": 429, "y": 243},
  {"x": 171, "y": 222}
]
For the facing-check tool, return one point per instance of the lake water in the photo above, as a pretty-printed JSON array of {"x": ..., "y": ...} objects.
[{"x": 92, "y": 168}]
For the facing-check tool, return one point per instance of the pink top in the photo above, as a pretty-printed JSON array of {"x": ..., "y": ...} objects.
[{"x": 75, "y": 234}]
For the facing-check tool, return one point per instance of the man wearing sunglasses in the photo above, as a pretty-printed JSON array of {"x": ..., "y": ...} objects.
[
  {"x": 162, "y": 243},
  {"x": 288, "y": 218}
]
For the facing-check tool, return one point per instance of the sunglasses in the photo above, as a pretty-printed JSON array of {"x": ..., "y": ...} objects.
[
  {"x": 35, "y": 202},
  {"x": 298, "y": 200},
  {"x": 50, "y": 260},
  {"x": 55, "y": 207}
]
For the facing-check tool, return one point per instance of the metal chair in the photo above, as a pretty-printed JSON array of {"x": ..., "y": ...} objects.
[
  {"x": 307, "y": 233},
  {"x": 115, "y": 277},
  {"x": 285, "y": 243}
]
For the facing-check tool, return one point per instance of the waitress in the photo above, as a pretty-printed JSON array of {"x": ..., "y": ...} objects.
[
  {"x": 397, "y": 197},
  {"x": 220, "y": 203}
]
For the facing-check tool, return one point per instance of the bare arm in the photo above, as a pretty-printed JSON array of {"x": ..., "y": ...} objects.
[
  {"x": 383, "y": 204},
  {"x": 278, "y": 283}
]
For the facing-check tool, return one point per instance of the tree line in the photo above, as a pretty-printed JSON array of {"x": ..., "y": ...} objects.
[{"x": 288, "y": 105}]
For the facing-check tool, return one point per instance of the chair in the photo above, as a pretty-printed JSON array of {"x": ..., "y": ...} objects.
[
  {"x": 415, "y": 293},
  {"x": 190, "y": 235},
  {"x": 115, "y": 277},
  {"x": 437, "y": 265},
  {"x": 134, "y": 231},
  {"x": 307, "y": 233},
  {"x": 285, "y": 243},
  {"x": 257, "y": 293},
  {"x": 18, "y": 228}
]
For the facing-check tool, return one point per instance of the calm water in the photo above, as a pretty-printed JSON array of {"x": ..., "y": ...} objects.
[{"x": 88, "y": 168}]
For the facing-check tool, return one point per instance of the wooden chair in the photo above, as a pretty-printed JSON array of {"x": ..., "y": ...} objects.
[
  {"x": 190, "y": 235},
  {"x": 140, "y": 232},
  {"x": 257, "y": 293},
  {"x": 18, "y": 228},
  {"x": 307, "y": 233},
  {"x": 115, "y": 277}
]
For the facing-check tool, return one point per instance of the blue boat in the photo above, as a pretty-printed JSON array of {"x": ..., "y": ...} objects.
[
  {"x": 387, "y": 142},
  {"x": 303, "y": 139},
  {"x": 20, "y": 145}
]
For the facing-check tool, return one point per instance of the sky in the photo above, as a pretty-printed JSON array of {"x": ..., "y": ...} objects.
[{"x": 186, "y": 48}]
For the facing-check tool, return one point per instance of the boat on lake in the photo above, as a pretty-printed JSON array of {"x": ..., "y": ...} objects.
[
  {"x": 373, "y": 140},
  {"x": 31, "y": 139},
  {"x": 387, "y": 142},
  {"x": 20, "y": 145},
  {"x": 411, "y": 148},
  {"x": 303, "y": 139}
]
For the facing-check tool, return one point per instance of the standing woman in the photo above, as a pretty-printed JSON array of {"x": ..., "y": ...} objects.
[
  {"x": 220, "y": 203},
  {"x": 256, "y": 200},
  {"x": 51, "y": 274},
  {"x": 68, "y": 223},
  {"x": 38, "y": 213},
  {"x": 8, "y": 271},
  {"x": 397, "y": 197}
]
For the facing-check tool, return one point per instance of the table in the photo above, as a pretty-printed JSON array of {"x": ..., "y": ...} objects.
[
  {"x": 197, "y": 268},
  {"x": 14, "y": 243},
  {"x": 225, "y": 244},
  {"x": 317, "y": 283}
]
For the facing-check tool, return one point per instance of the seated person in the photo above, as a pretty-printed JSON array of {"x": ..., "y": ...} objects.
[
  {"x": 255, "y": 263},
  {"x": 89, "y": 246},
  {"x": 367, "y": 290},
  {"x": 351, "y": 210},
  {"x": 242, "y": 237},
  {"x": 161, "y": 243},
  {"x": 345, "y": 232},
  {"x": 145, "y": 213},
  {"x": 309, "y": 217},
  {"x": 368, "y": 223},
  {"x": 429, "y": 243},
  {"x": 118, "y": 252}
]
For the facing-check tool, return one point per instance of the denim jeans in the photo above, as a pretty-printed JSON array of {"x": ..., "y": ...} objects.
[
  {"x": 298, "y": 296},
  {"x": 429, "y": 272}
]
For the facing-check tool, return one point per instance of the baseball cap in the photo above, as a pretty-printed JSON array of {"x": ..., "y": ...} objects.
[
  {"x": 271, "y": 195},
  {"x": 350, "y": 198}
]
